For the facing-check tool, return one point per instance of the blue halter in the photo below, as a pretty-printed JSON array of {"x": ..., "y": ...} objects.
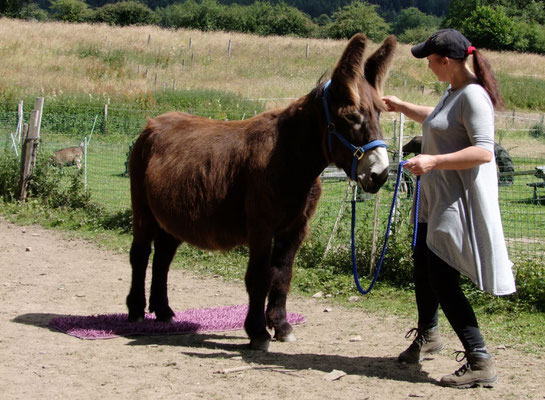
[{"x": 358, "y": 152}]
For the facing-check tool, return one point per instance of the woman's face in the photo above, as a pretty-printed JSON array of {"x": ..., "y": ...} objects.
[{"x": 438, "y": 64}]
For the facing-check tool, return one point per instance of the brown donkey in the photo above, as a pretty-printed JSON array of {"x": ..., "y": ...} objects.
[{"x": 220, "y": 184}]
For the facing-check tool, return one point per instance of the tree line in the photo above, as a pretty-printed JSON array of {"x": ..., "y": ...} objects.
[{"x": 517, "y": 25}]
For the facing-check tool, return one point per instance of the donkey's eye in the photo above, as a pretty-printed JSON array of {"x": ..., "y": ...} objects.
[{"x": 354, "y": 118}]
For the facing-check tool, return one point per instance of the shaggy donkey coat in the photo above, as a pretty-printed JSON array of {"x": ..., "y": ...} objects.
[{"x": 220, "y": 184}]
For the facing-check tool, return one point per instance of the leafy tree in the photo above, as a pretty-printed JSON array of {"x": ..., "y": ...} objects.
[
  {"x": 358, "y": 17},
  {"x": 413, "y": 18},
  {"x": 33, "y": 11},
  {"x": 180, "y": 15},
  {"x": 12, "y": 8},
  {"x": 524, "y": 10},
  {"x": 284, "y": 20},
  {"x": 459, "y": 11},
  {"x": 261, "y": 18},
  {"x": 490, "y": 28},
  {"x": 71, "y": 10},
  {"x": 322, "y": 20},
  {"x": 126, "y": 13},
  {"x": 416, "y": 35},
  {"x": 529, "y": 37}
]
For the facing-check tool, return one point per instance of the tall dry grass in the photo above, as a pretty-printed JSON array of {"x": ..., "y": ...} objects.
[
  {"x": 48, "y": 58},
  {"x": 97, "y": 59}
]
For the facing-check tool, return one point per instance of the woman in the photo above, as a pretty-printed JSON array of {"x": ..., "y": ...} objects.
[{"x": 459, "y": 226}]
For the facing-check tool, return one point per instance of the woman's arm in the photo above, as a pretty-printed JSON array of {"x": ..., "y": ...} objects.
[
  {"x": 413, "y": 111},
  {"x": 469, "y": 157}
]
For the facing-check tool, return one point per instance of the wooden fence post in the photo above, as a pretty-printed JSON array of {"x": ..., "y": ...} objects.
[
  {"x": 30, "y": 147},
  {"x": 229, "y": 49}
]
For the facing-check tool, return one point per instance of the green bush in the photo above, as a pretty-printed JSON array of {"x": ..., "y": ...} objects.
[
  {"x": 33, "y": 12},
  {"x": 412, "y": 19},
  {"x": 358, "y": 17},
  {"x": 13, "y": 8},
  {"x": 416, "y": 35},
  {"x": 126, "y": 13},
  {"x": 530, "y": 278},
  {"x": 261, "y": 18},
  {"x": 71, "y": 10},
  {"x": 529, "y": 37},
  {"x": 489, "y": 27},
  {"x": 538, "y": 130},
  {"x": 53, "y": 186},
  {"x": 58, "y": 186},
  {"x": 9, "y": 173}
]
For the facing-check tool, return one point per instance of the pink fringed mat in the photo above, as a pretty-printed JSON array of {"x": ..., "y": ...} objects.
[{"x": 189, "y": 321}]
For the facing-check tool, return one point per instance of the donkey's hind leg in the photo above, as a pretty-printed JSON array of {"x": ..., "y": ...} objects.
[
  {"x": 165, "y": 249},
  {"x": 284, "y": 251},
  {"x": 144, "y": 230},
  {"x": 136, "y": 300}
]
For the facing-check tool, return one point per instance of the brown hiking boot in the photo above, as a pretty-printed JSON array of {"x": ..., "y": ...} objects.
[
  {"x": 479, "y": 370},
  {"x": 427, "y": 341}
]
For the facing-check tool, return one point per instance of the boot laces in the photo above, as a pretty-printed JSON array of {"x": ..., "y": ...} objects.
[
  {"x": 461, "y": 356},
  {"x": 419, "y": 335}
]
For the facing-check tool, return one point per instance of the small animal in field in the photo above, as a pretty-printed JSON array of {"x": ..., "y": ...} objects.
[
  {"x": 221, "y": 184},
  {"x": 69, "y": 156}
]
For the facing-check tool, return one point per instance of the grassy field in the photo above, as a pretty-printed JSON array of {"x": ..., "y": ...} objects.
[{"x": 54, "y": 59}]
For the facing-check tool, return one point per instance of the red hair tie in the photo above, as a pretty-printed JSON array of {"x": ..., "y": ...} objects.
[{"x": 470, "y": 50}]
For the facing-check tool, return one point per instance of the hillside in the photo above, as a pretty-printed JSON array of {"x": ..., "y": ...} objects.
[{"x": 57, "y": 59}]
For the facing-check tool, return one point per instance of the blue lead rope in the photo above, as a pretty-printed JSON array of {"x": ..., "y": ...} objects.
[{"x": 353, "y": 239}]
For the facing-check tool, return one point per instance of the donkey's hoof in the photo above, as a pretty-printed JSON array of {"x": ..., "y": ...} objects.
[
  {"x": 260, "y": 344},
  {"x": 167, "y": 316},
  {"x": 290, "y": 337},
  {"x": 136, "y": 317},
  {"x": 162, "y": 314}
]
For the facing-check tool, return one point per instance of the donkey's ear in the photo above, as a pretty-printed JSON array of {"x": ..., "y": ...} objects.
[
  {"x": 378, "y": 64},
  {"x": 349, "y": 69}
]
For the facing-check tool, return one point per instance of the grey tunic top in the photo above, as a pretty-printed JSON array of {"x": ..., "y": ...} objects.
[{"x": 461, "y": 206}]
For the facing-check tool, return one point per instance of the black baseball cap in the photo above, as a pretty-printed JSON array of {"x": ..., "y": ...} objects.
[{"x": 446, "y": 42}]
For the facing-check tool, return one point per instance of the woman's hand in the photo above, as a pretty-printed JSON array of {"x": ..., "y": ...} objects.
[
  {"x": 421, "y": 164},
  {"x": 413, "y": 111},
  {"x": 392, "y": 103},
  {"x": 469, "y": 157}
]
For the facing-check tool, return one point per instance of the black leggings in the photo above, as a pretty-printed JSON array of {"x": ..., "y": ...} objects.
[{"x": 438, "y": 284}]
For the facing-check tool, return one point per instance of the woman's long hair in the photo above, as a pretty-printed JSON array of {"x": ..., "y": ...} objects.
[{"x": 486, "y": 78}]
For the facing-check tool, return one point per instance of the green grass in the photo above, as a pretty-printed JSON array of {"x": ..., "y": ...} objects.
[{"x": 522, "y": 92}]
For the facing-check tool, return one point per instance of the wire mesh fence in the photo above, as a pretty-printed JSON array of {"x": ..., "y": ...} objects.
[{"x": 522, "y": 183}]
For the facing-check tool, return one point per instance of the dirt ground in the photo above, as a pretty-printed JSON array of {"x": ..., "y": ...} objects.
[{"x": 44, "y": 275}]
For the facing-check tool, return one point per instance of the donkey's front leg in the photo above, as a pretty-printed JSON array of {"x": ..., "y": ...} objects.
[
  {"x": 284, "y": 251},
  {"x": 258, "y": 282}
]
